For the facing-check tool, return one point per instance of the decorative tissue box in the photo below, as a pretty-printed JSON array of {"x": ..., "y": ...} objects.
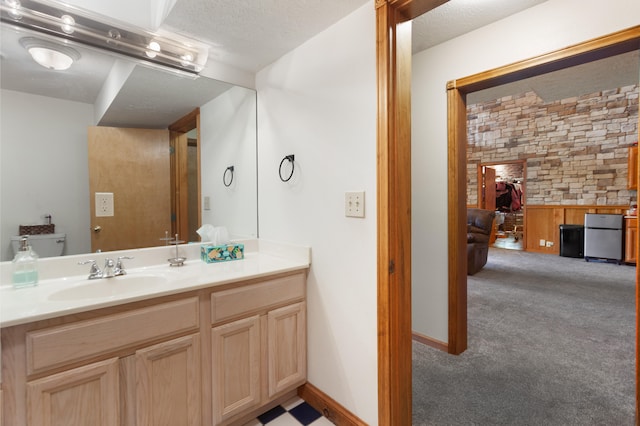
[
  {"x": 36, "y": 229},
  {"x": 222, "y": 253}
]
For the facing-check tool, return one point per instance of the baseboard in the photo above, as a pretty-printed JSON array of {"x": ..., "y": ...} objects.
[
  {"x": 329, "y": 408},
  {"x": 426, "y": 340}
]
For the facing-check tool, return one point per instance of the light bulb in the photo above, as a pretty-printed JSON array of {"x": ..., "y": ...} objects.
[
  {"x": 67, "y": 24},
  {"x": 154, "y": 48},
  {"x": 14, "y": 8}
]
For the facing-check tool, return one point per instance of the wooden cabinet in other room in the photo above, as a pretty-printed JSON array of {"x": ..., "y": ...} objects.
[
  {"x": 633, "y": 168},
  {"x": 630, "y": 239}
]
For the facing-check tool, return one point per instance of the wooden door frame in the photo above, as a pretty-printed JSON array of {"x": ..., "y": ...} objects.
[
  {"x": 393, "y": 64},
  {"x": 393, "y": 51},
  {"x": 524, "y": 188},
  {"x": 179, "y": 206}
]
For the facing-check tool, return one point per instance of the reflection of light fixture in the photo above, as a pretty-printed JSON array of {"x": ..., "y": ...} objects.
[
  {"x": 50, "y": 55},
  {"x": 74, "y": 24},
  {"x": 153, "y": 49},
  {"x": 67, "y": 24},
  {"x": 13, "y": 8}
]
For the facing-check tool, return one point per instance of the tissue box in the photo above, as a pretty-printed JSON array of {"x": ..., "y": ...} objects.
[
  {"x": 222, "y": 253},
  {"x": 36, "y": 229}
]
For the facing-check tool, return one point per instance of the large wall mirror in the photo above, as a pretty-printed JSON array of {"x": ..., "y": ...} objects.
[{"x": 47, "y": 118}]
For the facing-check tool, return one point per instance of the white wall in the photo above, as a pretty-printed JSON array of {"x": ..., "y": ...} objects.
[
  {"x": 549, "y": 26},
  {"x": 228, "y": 138},
  {"x": 318, "y": 102},
  {"x": 43, "y": 167}
]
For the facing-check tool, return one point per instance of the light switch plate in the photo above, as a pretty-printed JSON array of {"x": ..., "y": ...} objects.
[
  {"x": 104, "y": 204},
  {"x": 354, "y": 204}
]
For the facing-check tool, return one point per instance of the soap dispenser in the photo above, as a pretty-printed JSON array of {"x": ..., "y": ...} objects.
[{"x": 25, "y": 266}]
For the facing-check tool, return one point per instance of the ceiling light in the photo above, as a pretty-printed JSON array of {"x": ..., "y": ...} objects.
[
  {"x": 67, "y": 24},
  {"x": 76, "y": 25},
  {"x": 153, "y": 49},
  {"x": 50, "y": 55},
  {"x": 13, "y": 8}
]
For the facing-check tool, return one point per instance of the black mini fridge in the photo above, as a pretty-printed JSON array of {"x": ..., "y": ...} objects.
[{"x": 572, "y": 241}]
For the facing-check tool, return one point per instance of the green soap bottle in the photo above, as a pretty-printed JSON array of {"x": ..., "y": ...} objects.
[{"x": 25, "y": 266}]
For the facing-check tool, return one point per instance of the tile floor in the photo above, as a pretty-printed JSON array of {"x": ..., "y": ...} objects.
[{"x": 294, "y": 412}]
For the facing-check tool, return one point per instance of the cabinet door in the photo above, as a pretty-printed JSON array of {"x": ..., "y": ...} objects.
[
  {"x": 287, "y": 340},
  {"x": 631, "y": 238},
  {"x": 235, "y": 352},
  {"x": 87, "y": 395},
  {"x": 633, "y": 168},
  {"x": 168, "y": 388}
]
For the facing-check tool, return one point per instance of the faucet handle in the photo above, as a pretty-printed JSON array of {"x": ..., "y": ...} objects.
[
  {"x": 95, "y": 271},
  {"x": 120, "y": 266}
]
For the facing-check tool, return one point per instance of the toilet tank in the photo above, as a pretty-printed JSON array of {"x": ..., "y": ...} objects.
[{"x": 45, "y": 245}]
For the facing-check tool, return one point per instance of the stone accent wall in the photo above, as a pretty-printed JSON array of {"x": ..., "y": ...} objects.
[{"x": 576, "y": 149}]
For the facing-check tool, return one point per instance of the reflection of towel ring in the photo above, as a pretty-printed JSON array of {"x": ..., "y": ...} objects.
[
  {"x": 224, "y": 176},
  {"x": 289, "y": 157}
]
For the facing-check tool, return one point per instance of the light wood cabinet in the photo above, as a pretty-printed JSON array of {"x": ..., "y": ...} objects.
[
  {"x": 167, "y": 389},
  {"x": 87, "y": 395},
  {"x": 287, "y": 354},
  {"x": 633, "y": 168},
  {"x": 259, "y": 357},
  {"x": 158, "y": 362},
  {"x": 235, "y": 349},
  {"x": 630, "y": 239}
]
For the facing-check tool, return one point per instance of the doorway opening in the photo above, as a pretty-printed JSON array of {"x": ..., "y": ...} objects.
[
  {"x": 501, "y": 188},
  {"x": 185, "y": 177}
]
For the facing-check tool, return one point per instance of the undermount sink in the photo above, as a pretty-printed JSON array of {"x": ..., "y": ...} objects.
[{"x": 108, "y": 287}]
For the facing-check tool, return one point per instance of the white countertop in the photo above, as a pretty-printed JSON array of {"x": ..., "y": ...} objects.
[{"x": 57, "y": 295}]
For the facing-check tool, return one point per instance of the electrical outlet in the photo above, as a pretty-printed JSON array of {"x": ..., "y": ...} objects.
[
  {"x": 354, "y": 204},
  {"x": 542, "y": 243},
  {"x": 104, "y": 204},
  {"x": 549, "y": 243}
]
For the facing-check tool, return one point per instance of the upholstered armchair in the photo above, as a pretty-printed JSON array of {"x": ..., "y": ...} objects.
[{"x": 479, "y": 224}]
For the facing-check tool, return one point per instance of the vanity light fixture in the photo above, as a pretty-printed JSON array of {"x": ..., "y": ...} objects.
[
  {"x": 77, "y": 25},
  {"x": 50, "y": 55}
]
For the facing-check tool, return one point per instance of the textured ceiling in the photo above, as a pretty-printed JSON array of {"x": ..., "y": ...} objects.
[
  {"x": 250, "y": 34},
  {"x": 458, "y": 17}
]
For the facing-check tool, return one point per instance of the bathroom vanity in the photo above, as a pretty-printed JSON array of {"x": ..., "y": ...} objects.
[{"x": 207, "y": 344}]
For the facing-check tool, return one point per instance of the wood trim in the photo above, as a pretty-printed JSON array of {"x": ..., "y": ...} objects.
[
  {"x": 329, "y": 408},
  {"x": 431, "y": 342},
  {"x": 457, "y": 158},
  {"x": 637, "y": 172},
  {"x": 186, "y": 123},
  {"x": 393, "y": 62},
  {"x": 588, "y": 51},
  {"x": 394, "y": 228},
  {"x": 608, "y": 45},
  {"x": 593, "y": 207}
]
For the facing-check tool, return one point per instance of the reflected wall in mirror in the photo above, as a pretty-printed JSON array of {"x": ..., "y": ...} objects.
[{"x": 44, "y": 120}]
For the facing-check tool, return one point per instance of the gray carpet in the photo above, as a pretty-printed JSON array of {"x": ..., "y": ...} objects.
[{"x": 551, "y": 342}]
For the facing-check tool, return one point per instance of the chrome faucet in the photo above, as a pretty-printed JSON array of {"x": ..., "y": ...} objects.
[
  {"x": 119, "y": 269},
  {"x": 94, "y": 272},
  {"x": 111, "y": 268}
]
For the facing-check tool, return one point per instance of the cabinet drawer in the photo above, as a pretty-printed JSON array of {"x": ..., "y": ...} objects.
[
  {"x": 69, "y": 343},
  {"x": 255, "y": 297}
]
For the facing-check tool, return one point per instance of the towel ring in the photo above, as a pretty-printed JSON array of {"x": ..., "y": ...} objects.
[
  {"x": 224, "y": 176},
  {"x": 289, "y": 157}
]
